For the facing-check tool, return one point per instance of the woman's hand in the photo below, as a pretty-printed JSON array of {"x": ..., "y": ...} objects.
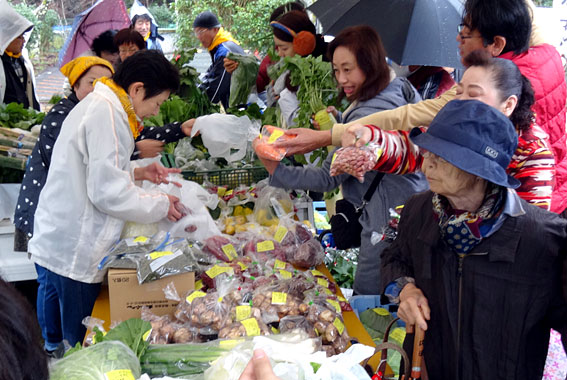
[
  {"x": 155, "y": 173},
  {"x": 187, "y": 126},
  {"x": 173, "y": 213},
  {"x": 356, "y": 135},
  {"x": 414, "y": 308},
  {"x": 305, "y": 141},
  {"x": 149, "y": 148},
  {"x": 230, "y": 65},
  {"x": 258, "y": 368},
  {"x": 331, "y": 109}
]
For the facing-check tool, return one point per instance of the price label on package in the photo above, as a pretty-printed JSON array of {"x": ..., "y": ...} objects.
[
  {"x": 199, "y": 285},
  {"x": 217, "y": 269},
  {"x": 251, "y": 326},
  {"x": 243, "y": 312},
  {"x": 323, "y": 282},
  {"x": 196, "y": 294},
  {"x": 285, "y": 273},
  {"x": 279, "y": 298},
  {"x": 328, "y": 292},
  {"x": 265, "y": 246},
  {"x": 316, "y": 273},
  {"x": 335, "y": 304},
  {"x": 242, "y": 265},
  {"x": 276, "y": 134},
  {"x": 157, "y": 255},
  {"x": 141, "y": 239},
  {"x": 229, "y": 251},
  {"x": 119, "y": 374},
  {"x": 279, "y": 264},
  {"x": 339, "y": 325},
  {"x": 230, "y": 343},
  {"x": 280, "y": 234}
]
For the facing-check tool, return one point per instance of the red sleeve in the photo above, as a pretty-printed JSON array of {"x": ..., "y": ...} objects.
[{"x": 262, "y": 80}]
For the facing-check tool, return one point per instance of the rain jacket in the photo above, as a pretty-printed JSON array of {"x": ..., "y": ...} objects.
[
  {"x": 503, "y": 296},
  {"x": 216, "y": 82},
  {"x": 13, "y": 25},
  {"x": 90, "y": 190},
  {"x": 392, "y": 191}
]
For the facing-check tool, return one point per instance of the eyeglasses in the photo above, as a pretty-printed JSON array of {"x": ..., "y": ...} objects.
[
  {"x": 460, "y": 29},
  {"x": 199, "y": 32}
]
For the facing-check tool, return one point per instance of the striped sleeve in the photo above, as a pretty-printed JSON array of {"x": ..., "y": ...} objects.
[{"x": 399, "y": 154}]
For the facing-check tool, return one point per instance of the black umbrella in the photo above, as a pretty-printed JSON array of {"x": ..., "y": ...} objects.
[{"x": 414, "y": 32}]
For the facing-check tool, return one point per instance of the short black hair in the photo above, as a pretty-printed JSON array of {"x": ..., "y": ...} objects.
[
  {"x": 287, "y": 7},
  {"x": 152, "y": 69},
  {"x": 129, "y": 36},
  {"x": 511, "y": 19},
  {"x": 20, "y": 342},
  {"x": 144, "y": 16},
  {"x": 105, "y": 42}
]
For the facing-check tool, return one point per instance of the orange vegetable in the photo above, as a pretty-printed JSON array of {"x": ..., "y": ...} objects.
[{"x": 264, "y": 147}]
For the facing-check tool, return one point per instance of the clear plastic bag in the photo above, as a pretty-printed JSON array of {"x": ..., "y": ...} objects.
[
  {"x": 185, "y": 153},
  {"x": 272, "y": 204},
  {"x": 329, "y": 325},
  {"x": 264, "y": 144},
  {"x": 355, "y": 161},
  {"x": 247, "y": 327},
  {"x": 292, "y": 323},
  {"x": 226, "y": 136}
]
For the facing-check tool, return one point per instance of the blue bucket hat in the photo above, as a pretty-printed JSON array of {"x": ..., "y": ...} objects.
[{"x": 474, "y": 137}]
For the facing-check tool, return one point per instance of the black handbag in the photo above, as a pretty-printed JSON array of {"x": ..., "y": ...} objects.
[{"x": 345, "y": 225}]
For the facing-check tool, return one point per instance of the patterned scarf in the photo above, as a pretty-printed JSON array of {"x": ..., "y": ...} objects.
[
  {"x": 135, "y": 126},
  {"x": 463, "y": 230}
]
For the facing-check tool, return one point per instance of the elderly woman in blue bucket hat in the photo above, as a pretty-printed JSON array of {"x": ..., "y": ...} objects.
[{"x": 474, "y": 265}]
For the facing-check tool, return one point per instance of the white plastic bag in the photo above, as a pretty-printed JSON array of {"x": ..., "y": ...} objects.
[{"x": 226, "y": 136}]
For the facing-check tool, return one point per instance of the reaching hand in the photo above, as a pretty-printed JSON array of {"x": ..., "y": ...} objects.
[
  {"x": 149, "y": 148},
  {"x": 306, "y": 140},
  {"x": 259, "y": 368},
  {"x": 414, "y": 308},
  {"x": 155, "y": 173},
  {"x": 357, "y": 135},
  {"x": 230, "y": 65},
  {"x": 173, "y": 213},
  {"x": 187, "y": 126}
]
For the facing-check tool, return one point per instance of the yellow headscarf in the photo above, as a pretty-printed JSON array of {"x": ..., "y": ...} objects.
[
  {"x": 10, "y": 54},
  {"x": 135, "y": 126},
  {"x": 78, "y": 66},
  {"x": 222, "y": 36}
]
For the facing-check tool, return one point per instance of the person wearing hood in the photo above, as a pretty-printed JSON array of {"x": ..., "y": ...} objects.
[
  {"x": 17, "y": 81},
  {"x": 219, "y": 43},
  {"x": 144, "y": 23}
]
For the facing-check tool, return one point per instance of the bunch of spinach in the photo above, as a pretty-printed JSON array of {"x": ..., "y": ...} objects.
[
  {"x": 243, "y": 79},
  {"x": 14, "y": 115}
]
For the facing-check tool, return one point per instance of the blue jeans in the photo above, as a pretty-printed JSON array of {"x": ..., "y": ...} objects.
[
  {"x": 76, "y": 300},
  {"x": 48, "y": 313}
]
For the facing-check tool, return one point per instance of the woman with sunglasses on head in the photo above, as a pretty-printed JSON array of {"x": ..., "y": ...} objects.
[{"x": 364, "y": 78}]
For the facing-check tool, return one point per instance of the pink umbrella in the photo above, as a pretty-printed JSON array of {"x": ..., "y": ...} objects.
[{"x": 102, "y": 16}]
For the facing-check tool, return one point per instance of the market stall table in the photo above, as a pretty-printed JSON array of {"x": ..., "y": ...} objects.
[{"x": 353, "y": 325}]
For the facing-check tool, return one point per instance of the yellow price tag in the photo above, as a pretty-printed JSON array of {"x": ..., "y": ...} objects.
[
  {"x": 216, "y": 270},
  {"x": 230, "y": 343},
  {"x": 381, "y": 311},
  {"x": 285, "y": 273},
  {"x": 280, "y": 234},
  {"x": 251, "y": 326},
  {"x": 199, "y": 285},
  {"x": 146, "y": 335},
  {"x": 334, "y": 158},
  {"x": 323, "y": 282},
  {"x": 221, "y": 191},
  {"x": 242, "y": 265},
  {"x": 265, "y": 246},
  {"x": 157, "y": 255},
  {"x": 279, "y": 264},
  {"x": 279, "y": 298},
  {"x": 141, "y": 239},
  {"x": 316, "y": 273},
  {"x": 243, "y": 312},
  {"x": 342, "y": 299},
  {"x": 229, "y": 251},
  {"x": 275, "y": 331},
  {"x": 335, "y": 304},
  {"x": 228, "y": 193},
  {"x": 339, "y": 325},
  {"x": 328, "y": 292},
  {"x": 196, "y": 294},
  {"x": 119, "y": 374},
  {"x": 276, "y": 134}
]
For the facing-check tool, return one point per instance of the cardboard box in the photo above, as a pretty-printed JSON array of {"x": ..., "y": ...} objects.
[{"x": 127, "y": 296}]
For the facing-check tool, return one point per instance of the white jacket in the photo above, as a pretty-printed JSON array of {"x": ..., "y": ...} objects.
[{"x": 90, "y": 190}]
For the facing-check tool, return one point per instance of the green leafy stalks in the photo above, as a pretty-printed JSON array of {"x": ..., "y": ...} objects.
[
  {"x": 14, "y": 115},
  {"x": 243, "y": 79},
  {"x": 131, "y": 332}
]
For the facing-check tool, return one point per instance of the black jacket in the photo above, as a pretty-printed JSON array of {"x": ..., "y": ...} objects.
[
  {"x": 216, "y": 82},
  {"x": 15, "y": 90},
  {"x": 510, "y": 298}
]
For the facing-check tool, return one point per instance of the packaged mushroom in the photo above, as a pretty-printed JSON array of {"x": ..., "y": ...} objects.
[
  {"x": 297, "y": 322},
  {"x": 329, "y": 325},
  {"x": 275, "y": 304},
  {"x": 247, "y": 327},
  {"x": 165, "y": 331}
]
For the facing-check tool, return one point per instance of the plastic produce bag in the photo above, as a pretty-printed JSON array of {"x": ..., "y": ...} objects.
[
  {"x": 226, "y": 136},
  {"x": 185, "y": 153},
  {"x": 243, "y": 79},
  {"x": 197, "y": 224},
  {"x": 264, "y": 144},
  {"x": 272, "y": 204},
  {"x": 102, "y": 361},
  {"x": 355, "y": 161}
]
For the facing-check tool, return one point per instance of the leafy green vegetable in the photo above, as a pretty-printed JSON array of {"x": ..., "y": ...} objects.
[
  {"x": 342, "y": 265},
  {"x": 315, "y": 366},
  {"x": 243, "y": 79},
  {"x": 131, "y": 332},
  {"x": 96, "y": 362},
  {"x": 14, "y": 115}
]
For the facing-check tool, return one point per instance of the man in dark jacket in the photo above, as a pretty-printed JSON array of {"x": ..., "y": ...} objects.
[{"x": 219, "y": 43}]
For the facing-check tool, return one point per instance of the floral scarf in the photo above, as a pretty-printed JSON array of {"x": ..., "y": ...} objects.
[
  {"x": 135, "y": 126},
  {"x": 463, "y": 230}
]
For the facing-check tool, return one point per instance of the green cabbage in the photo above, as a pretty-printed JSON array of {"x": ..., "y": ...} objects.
[{"x": 105, "y": 360}]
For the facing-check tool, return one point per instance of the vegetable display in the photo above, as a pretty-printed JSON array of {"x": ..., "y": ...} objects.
[{"x": 14, "y": 115}]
